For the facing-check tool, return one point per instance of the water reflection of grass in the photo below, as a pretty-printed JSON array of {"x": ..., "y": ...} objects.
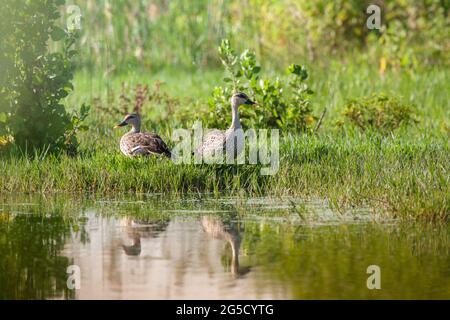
[
  {"x": 331, "y": 262},
  {"x": 31, "y": 264},
  {"x": 297, "y": 257}
]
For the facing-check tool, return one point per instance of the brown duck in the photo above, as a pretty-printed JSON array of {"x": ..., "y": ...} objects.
[{"x": 137, "y": 143}]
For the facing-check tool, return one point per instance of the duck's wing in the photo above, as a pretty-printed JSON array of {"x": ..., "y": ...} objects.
[{"x": 146, "y": 143}]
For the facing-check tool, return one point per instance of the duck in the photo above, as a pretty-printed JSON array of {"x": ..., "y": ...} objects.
[
  {"x": 137, "y": 143},
  {"x": 216, "y": 140}
]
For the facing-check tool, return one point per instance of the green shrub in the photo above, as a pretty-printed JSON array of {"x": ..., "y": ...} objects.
[
  {"x": 35, "y": 80},
  {"x": 414, "y": 36},
  {"x": 282, "y": 104},
  {"x": 378, "y": 112}
]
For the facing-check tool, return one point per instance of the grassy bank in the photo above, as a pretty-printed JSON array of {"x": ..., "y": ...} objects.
[
  {"x": 404, "y": 177},
  {"x": 404, "y": 174}
]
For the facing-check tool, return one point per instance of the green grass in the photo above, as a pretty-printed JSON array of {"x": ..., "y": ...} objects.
[
  {"x": 404, "y": 177},
  {"x": 405, "y": 174},
  {"x": 426, "y": 89}
]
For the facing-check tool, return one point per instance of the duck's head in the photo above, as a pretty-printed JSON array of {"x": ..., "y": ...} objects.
[
  {"x": 240, "y": 98},
  {"x": 133, "y": 119}
]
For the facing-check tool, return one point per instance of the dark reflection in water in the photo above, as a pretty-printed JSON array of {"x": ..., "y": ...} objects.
[
  {"x": 145, "y": 228},
  {"x": 229, "y": 231},
  {"x": 151, "y": 248},
  {"x": 31, "y": 263}
]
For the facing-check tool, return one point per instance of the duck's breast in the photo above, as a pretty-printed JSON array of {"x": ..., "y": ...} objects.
[
  {"x": 234, "y": 140},
  {"x": 125, "y": 145}
]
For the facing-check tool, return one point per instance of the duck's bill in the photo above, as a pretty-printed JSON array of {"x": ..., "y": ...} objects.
[
  {"x": 122, "y": 124},
  {"x": 250, "y": 102}
]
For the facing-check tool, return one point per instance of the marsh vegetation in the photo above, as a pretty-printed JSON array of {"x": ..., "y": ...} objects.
[
  {"x": 365, "y": 127},
  {"x": 364, "y": 154}
]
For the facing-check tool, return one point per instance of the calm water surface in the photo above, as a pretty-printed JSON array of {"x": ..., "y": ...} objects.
[{"x": 151, "y": 247}]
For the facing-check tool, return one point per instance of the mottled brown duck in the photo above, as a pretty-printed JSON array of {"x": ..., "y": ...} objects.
[{"x": 137, "y": 143}]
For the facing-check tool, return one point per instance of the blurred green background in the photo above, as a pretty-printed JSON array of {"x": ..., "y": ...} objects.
[{"x": 158, "y": 33}]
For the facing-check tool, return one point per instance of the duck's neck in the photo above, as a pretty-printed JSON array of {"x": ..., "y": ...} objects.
[
  {"x": 235, "y": 121},
  {"x": 235, "y": 244},
  {"x": 135, "y": 128}
]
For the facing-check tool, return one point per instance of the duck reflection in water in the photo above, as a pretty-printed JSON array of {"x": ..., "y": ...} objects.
[
  {"x": 143, "y": 228},
  {"x": 230, "y": 232}
]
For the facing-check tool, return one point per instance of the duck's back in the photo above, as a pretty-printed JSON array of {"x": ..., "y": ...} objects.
[{"x": 143, "y": 143}]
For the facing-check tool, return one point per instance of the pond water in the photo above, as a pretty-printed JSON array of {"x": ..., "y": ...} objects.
[{"x": 151, "y": 247}]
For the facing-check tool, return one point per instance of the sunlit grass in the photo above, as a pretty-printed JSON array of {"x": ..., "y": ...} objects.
[
  {"x": 404, "y": 174},
  {"x": 427, "y": 89},
  {"x": 405, "y": 177},
  {"x": 5, "y": 140}
]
